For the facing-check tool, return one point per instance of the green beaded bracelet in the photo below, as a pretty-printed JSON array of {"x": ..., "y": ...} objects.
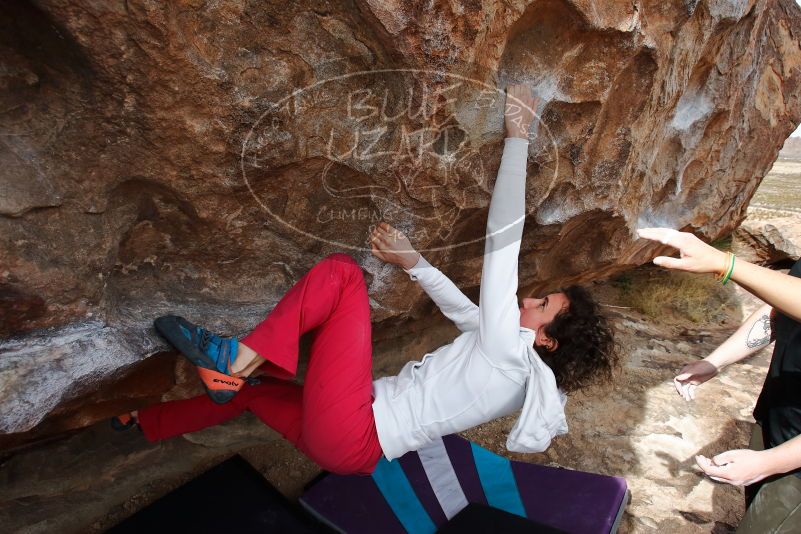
[{"x": 730, "y": 271}]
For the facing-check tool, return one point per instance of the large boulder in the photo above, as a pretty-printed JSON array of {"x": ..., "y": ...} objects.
[
  {"x": 769, "y": 241},
  {"x": 199, "y": 157}
]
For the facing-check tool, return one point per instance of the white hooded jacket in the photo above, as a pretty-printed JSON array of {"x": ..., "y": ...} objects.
[{"x": 491, "y": 369}]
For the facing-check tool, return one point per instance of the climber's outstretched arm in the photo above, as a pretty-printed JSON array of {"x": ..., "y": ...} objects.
[{"x": 499, "y": 315}]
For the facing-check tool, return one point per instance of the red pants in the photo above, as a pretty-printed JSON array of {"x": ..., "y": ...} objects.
[{"x": 329, "y": 418}]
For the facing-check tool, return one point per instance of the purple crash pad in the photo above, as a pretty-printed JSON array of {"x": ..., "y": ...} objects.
[{"x": 572, "y": 501}]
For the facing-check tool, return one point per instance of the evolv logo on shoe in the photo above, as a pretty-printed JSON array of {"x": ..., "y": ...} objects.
[{"x": 229, "y": 383}]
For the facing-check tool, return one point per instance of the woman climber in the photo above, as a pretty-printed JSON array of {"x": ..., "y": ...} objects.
[{"x": 508, "y": 356}]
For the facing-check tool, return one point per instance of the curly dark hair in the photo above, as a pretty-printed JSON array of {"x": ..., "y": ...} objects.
[{"x": 586, "y": 350}]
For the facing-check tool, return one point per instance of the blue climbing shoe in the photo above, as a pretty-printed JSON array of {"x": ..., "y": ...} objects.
[{"x": 212, "y": 354}]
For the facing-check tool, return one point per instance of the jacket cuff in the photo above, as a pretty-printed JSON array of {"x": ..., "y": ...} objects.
[
  {"x": 514, "y": 157},
  {"x": 518, "y": 141},
  {"x": 416, "y": 271}
]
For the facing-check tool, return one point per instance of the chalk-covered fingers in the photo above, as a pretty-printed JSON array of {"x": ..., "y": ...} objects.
[
  {"x": 376, "y": 251},
  {"x": 694, "y": 255},
  {"x": 685, "y": 389},
  {"x": 387, "y": 235},
  {"x": 519, "y": 110},
  {"x": 392, "y": 246},
  {"x": 691, "y": 376},
  {"x": 663, "y": 235},
  {"x": 379, "y": 243}
]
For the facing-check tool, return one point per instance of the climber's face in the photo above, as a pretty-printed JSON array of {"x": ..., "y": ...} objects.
[{"x": 536, "y": 314}]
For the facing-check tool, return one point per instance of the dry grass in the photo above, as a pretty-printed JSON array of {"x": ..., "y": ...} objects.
[
  {"x": 764, "y": 214},
  {"x": 669, "y": 295},
  {"x": 781, "y": 188}
]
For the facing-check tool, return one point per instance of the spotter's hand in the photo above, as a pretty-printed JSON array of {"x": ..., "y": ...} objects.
[
  {"x": 694, "y": 255},
  {"x": 691, "y": 376},
  {"x": 739, "y": 467}
]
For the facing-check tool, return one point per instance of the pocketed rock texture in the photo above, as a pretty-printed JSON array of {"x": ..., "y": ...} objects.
[{"x": 155, "y": 158}]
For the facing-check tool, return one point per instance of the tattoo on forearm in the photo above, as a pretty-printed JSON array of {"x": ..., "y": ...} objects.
[
  {"x": 773, "y": 324},
  {"x": 759, "y": 335}
]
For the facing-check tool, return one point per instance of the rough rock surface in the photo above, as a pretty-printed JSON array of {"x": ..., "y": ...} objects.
[
  {"x": 768, "y": 242},
  {"x": 153, "y": 161}
]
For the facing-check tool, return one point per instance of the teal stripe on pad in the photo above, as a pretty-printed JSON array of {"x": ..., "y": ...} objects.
[
  {"x": 498, "y": 481},
  {"x": 396, "y": 489}
]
